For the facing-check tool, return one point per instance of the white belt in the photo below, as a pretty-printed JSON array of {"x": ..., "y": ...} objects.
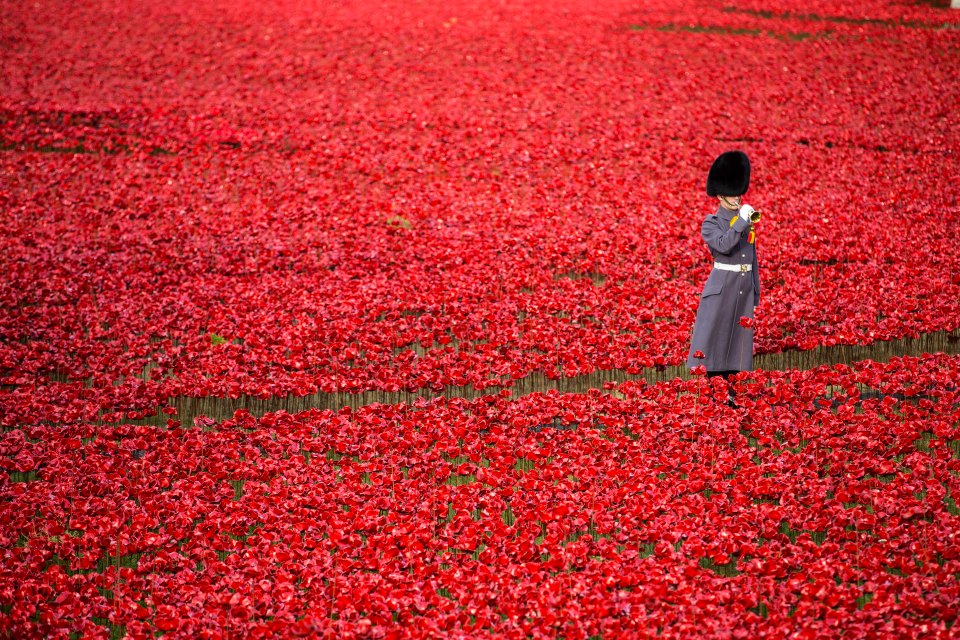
[{"x": 742, "y": 268}]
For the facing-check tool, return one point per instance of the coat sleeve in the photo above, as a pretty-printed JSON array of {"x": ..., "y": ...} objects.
[{"x": 722, "y": 240}]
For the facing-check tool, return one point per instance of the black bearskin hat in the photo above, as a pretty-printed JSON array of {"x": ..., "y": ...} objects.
[{"x": 729, "y": 174}]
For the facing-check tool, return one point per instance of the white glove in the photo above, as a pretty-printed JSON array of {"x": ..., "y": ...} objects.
[{"x": 745, "y": 212}]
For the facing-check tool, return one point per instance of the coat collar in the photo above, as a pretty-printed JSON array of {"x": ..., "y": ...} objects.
[{"x": 725, "y": 214}]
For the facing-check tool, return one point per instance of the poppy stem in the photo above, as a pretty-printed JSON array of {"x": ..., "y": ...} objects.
[
  {"x": 333, "y": 593},
  {"x": 696, "y": 409},
  {"x": 116, "y": 576}
]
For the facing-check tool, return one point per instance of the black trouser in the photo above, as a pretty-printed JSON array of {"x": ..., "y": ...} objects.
[{"x": 726, "y": 376}]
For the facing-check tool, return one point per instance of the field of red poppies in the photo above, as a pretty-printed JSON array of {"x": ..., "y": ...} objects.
[{"x": 210, "y": 208}]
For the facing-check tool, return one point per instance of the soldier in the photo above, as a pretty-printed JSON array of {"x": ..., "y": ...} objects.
[{"x": 732, "y": 290}]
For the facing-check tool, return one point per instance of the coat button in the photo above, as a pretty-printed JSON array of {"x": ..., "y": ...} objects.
[
  {"x": 743, "y": 255},
  {"x": 741, "y": 292}
]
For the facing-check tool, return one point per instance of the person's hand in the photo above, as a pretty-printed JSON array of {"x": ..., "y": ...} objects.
[{"x": 745, "y": 212}]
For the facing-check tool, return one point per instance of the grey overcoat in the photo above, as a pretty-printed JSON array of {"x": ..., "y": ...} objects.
[{"x": 727, "y": 296}]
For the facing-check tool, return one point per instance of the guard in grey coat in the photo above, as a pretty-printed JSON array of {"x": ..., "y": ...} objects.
[{"x": 732, "y": 290}]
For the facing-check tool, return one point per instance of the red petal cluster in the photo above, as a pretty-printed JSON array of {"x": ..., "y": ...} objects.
[
  {"x": 261, "y": 199},
  {"x": 249, "y": 202},
  {"x": 827, "y": 505}
]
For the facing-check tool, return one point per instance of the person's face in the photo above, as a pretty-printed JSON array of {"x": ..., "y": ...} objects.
[{"x": 729, "y": 202}]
